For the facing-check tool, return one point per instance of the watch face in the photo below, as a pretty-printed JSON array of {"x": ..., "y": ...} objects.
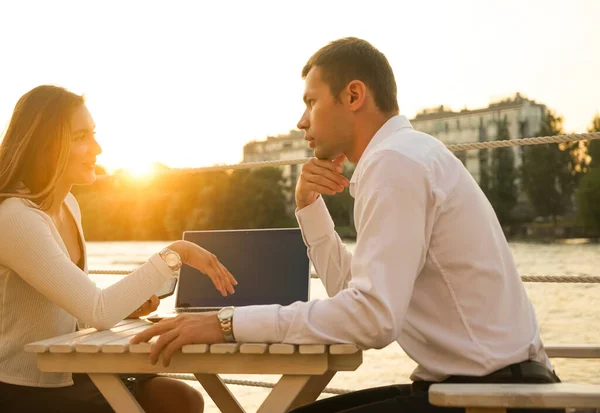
[
  {"x": 225, "y": 313},
  {"x": 171, "y": 260}
]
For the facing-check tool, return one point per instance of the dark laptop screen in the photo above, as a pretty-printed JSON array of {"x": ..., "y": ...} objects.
[{"x": 270, "y": 265}]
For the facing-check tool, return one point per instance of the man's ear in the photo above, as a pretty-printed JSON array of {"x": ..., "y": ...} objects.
[{"x": 356, "y": 94}]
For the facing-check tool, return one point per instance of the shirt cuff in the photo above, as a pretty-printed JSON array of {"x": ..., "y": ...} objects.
[
  {"x": 256, "y": 324},
  {"x": 315, "y": 221},
  {"x": 162, "y": 267}
]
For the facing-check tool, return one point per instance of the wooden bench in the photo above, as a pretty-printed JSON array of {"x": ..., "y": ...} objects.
[
  {"x": 496, "y": 398},
  {"x": 573, "y": 351}
]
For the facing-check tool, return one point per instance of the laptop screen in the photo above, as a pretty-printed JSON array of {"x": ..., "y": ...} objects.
[{"x": 270, "y": 265}]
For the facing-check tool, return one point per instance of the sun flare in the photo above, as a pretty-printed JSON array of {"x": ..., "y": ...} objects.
[{"x": 140, "y": 169}]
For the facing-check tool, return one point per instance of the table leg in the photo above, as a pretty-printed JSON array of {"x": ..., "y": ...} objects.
[
  {"x": 218, "y": 391},
  {"x": 293, "y": 391},
  {"x": 116, "y": 393}
]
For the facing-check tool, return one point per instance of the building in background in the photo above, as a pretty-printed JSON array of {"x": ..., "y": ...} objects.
[
  {"x": 523, "y": 115},
  {"x": 280, "y": 147}
]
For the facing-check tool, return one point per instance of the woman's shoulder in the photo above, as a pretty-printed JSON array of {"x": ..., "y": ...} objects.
[
  {"x": 15, "y": 205},
  {"x": 14, "y": 211}
]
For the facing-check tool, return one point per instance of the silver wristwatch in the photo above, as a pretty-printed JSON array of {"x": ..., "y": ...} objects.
[
  {"x": 225, "y": 316},
  {"x": 171, "y": 258}
]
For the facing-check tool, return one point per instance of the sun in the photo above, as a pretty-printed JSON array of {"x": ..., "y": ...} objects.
[{"x": 140, "y": 169}]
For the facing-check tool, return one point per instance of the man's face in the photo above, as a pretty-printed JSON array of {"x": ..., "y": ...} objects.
[{"x": 326, "y": 122}]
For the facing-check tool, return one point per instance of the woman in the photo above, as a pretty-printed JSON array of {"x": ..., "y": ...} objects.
[{"x": 50, "y": 146}]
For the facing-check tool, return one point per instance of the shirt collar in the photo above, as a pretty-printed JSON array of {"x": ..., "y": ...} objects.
[{"x": 392, "y": 125}]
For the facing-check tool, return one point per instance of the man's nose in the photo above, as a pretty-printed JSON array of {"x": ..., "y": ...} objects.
[{"x": 303, "y": 122}]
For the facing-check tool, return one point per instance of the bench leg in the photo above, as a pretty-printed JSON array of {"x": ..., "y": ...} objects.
[
  {"x": 116, "y": 393},
  {"x": 218, "y": 391}
]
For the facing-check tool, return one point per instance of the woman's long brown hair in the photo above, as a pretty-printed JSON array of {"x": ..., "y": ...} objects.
[{"x": 35, "y": 147}]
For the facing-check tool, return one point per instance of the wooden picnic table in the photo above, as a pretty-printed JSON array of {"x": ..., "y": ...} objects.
[{"x": 305, "y": 369}]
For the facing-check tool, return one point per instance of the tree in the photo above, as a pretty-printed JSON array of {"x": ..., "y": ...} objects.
[
  {"x": 341, "y": 208},
  {"x": 484, "y": 165},
  {"x": 547, "y": 172},
  {"x": 503, "y": 192},
  {"x": 594, "y": 146},
  {"x": 588, "y": 192},
  {"x": 484, "y": 172},
  {"x": 122, "y": 207},
  {"x": 255, "y": 199}
]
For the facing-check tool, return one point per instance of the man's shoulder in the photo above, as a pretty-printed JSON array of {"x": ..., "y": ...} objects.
[
  {"x": 418, "y": 147},
  {"x": 410, "y": 154}
]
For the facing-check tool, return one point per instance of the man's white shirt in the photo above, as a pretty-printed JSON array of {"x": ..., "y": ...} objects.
[{"x": 431, "y": 268}]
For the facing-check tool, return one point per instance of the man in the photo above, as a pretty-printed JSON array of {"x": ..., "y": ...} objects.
[{"x": 431, "y": 269}]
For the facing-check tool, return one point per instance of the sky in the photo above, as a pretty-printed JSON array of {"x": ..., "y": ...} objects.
[{"x": 188, "y": 83}]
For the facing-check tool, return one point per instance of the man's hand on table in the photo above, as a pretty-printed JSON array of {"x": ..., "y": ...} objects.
[{"x": 201, "y": 328}]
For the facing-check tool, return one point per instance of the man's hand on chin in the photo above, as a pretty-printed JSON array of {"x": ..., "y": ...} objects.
[{"x": 202, "y": 328}]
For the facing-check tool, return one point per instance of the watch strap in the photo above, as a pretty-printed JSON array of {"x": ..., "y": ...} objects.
[{"x": 227, "y": 328}]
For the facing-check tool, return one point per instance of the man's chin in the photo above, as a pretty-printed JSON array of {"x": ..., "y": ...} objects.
[
  {"x": 320, "y": 154},
  {"x": 325, "y": 156}
]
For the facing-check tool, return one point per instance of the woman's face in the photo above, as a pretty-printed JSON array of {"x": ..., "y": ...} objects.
[{"x": 81, "y": 163}]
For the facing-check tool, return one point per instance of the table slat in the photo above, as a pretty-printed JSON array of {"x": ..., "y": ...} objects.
[
  {"x": 254, "y": 348},
  {"x": 313, "y": 349},
  {"x": 116, "y": 346},
  {"x": 343, "y": 349},
  {"x": 143, "y": 347},
  {"x": 69, "y": 346},
  {"x": 44, "y": 345},
  {"x": 195, "y": 348},
  {"x": 279, "y": 348},
  {"x": 225, "y": 348}
]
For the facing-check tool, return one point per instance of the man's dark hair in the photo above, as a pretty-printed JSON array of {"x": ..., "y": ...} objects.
[{"x": 348, "y": 59}]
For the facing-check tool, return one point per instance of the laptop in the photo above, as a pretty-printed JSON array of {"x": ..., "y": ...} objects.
[{"x": 271, "y": 266}]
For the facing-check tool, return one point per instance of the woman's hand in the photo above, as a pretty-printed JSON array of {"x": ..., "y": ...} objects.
[
  {"x": 148, "y": 307},
  {"x": 207, "y": 263}
]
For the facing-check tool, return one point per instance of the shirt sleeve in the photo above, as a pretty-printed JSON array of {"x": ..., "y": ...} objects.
[
  {"x": 326, "y": 250},
  {"x": 394, "y": 198},
  {"x": 28, "y": 247}
]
